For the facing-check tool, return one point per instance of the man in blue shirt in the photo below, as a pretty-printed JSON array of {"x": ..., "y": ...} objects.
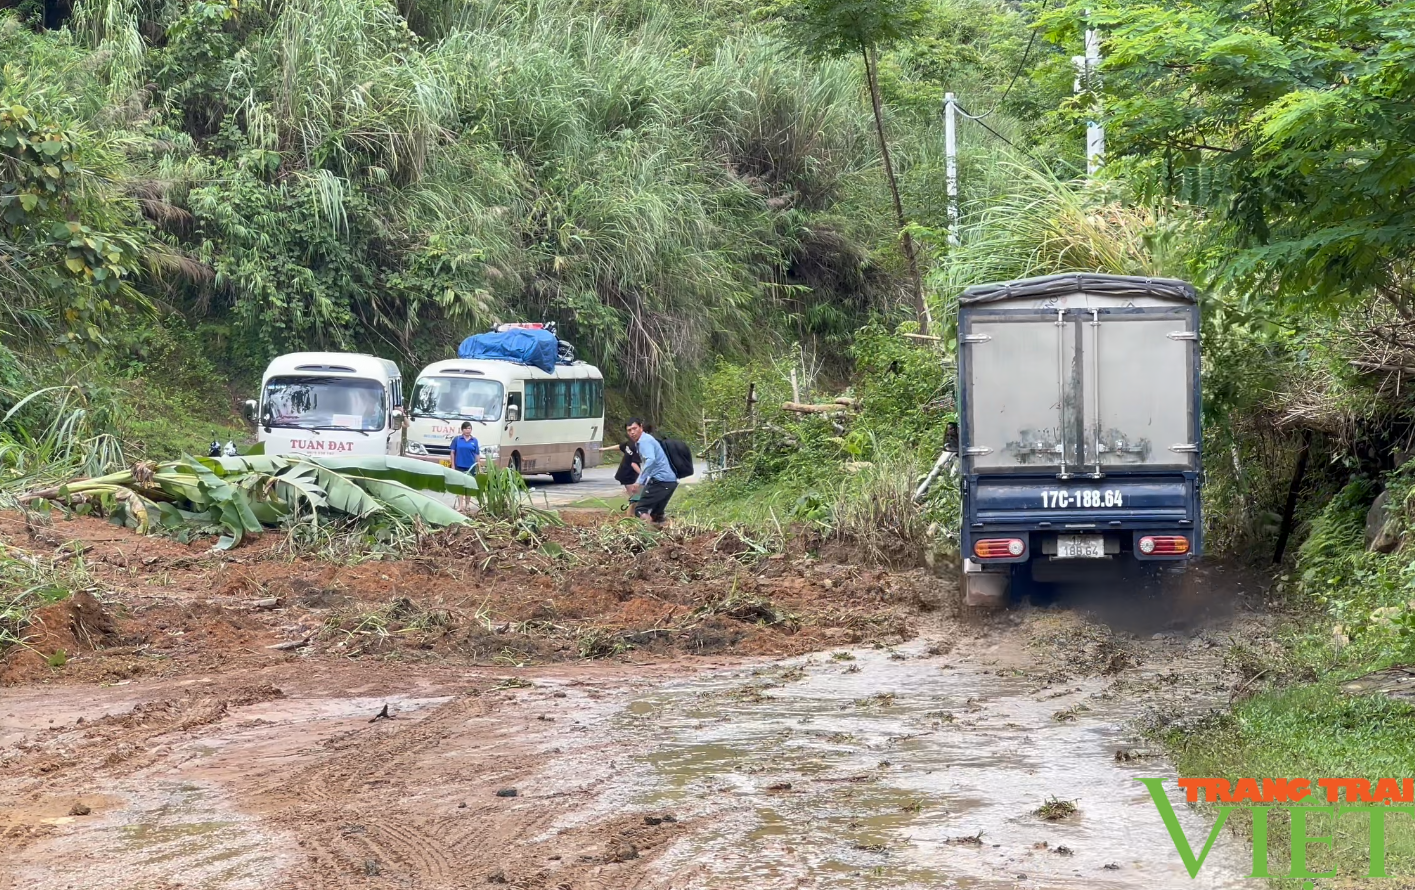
[
  {"x": 466, "y": 452},
  {"x": 657, "y": 481}
]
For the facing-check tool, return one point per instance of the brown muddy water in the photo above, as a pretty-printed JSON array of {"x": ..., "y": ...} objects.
[
  {"x": 895, "y": 769},
  {"x": 915, "y": 767}
]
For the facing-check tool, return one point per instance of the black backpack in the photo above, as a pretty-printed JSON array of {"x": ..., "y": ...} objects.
[{"x": 680, "y": 457}]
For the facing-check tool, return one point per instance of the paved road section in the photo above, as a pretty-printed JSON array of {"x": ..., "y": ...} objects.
[{"x": 598, "y": 483}]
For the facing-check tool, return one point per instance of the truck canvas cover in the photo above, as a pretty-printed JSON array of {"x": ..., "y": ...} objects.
[
  {"x": 1086, "y": 283},
  {"x": 537, "y": 348},
  {"x": 1080, "y": 376}
]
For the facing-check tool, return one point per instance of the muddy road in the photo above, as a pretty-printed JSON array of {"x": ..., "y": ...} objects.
[{"x": 767, "y": 723}]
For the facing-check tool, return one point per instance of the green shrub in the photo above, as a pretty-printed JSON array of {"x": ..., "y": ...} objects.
[
  {"x": 851, "y": 478},
  {"x": 1335, "y": 544},
  {"x": 905, "y": 391}
]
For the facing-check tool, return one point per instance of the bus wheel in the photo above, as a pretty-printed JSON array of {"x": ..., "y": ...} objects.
[
  {"x": 576, "y": 472},
  {"x": 515, "y": 464}
]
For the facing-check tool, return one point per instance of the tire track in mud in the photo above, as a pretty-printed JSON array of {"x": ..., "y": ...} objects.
[
  {"x": 328, "y": 802},
  {"x": 314, "y": 796},
  {"x": 124, "y": 743},
  {"x": 409, "y": 804},
  {"x": 320, "y": 797}
]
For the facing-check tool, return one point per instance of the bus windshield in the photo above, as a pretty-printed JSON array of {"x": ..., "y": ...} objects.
[
  {"x": 324, "y": 403},
  {"x": 457, "y": 398}
]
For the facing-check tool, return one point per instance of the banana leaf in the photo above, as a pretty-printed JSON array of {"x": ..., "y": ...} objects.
[
  {"x": 301, "y": 483},
  {"x": 342, "y": 493},
  {"x": 413, "y": 504},
  {"x": 173, "y": 517},
  {"x": 242, "y": 495},
  {"x": 322, "y": 486},
  {"x": 180, "y": 482},
  {"x": 268, "y": 464},
  {"x": 228, "y": 502},
  {"x": 419, "y": 475},
  {"x": 134, "y": 510}
]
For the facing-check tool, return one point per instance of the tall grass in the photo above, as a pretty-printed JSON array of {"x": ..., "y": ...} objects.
[
  {"x": 57, "y": 433},
  {"x": 1046, "y": 224},
  {"x": 865, "y": 506},
  {"x": 396, "y": 175},
  {"x": 502, "y": 493},
  {"x": 874, "y": 509}
]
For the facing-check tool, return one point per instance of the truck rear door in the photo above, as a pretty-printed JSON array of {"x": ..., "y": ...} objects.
[
  {"x": 1020, "y": 392},
  {"x": 1080, "y": 391},
  {"x": 1140, "y": 373}
]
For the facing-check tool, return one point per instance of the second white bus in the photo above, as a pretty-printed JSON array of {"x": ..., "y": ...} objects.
[{"x": 525, "y": 419}]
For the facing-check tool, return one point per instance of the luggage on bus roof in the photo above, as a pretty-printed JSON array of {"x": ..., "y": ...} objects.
[{"x": 537, "y": 348}]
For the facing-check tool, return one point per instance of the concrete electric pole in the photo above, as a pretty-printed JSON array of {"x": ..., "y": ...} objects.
[
  {"x": 950, "y": 149},
  {"x": 1088, "y": 80}
]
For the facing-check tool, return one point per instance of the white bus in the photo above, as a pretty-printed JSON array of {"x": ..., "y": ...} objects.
[
  {"x": 329, "y": 403},
  {"x": 523, "y": 418}
]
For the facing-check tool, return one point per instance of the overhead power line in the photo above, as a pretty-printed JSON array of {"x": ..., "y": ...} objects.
[
  {"x": 978, "y": 119},
  {"x": 1021, "y": 66}
]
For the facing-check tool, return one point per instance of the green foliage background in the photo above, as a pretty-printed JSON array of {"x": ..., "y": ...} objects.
[{"x": 669, "y": 183}]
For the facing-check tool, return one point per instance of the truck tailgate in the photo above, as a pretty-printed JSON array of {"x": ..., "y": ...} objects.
[{"x": 1110, "y": 500}]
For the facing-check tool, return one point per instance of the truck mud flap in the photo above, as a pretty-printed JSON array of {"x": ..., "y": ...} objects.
[{"x": 986, "y": 589}]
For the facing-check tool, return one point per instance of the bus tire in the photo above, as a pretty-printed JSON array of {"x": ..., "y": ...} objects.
[
  {"x": 515, "y": 463},
  {"x": 576, "y": 471}
]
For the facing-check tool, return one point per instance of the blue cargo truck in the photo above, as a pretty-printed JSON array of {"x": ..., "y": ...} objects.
[{"x": 1079, "y": 432}]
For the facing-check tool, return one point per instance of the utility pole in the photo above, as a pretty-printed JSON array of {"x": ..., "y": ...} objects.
[
  {"x": 950, "y": 149},
  {"x": 1088, "y": 80}
]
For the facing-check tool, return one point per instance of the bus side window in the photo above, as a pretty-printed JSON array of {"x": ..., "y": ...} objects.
[
  {"x": 562, "y": 400},
  {"x": 513, "y": 400},
  {"x": 397, "y": 387},
  {"x": 580, "y": 398}
]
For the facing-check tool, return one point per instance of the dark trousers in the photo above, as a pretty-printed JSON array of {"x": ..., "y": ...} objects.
[{"x": 654, "y": 498}]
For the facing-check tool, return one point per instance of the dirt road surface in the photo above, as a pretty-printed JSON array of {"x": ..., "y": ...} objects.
[{"x": 677, "y": 713}]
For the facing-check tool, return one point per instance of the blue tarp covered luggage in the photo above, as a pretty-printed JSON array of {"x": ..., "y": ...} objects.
[{"x": 527, "y": 347}]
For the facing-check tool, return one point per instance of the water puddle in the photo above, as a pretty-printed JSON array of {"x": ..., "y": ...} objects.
[
  {"x": 878, "y": 769},
  {"x": 161, "y": 831}
]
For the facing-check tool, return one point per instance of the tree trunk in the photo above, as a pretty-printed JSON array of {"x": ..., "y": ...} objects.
[
  {"x": 1293, "y": 491},
  {"x": 904, "y": 238}
]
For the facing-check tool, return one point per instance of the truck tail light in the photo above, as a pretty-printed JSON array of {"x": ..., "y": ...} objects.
[
  {"x": 999, "y": 548},
  {"x": 1164, "y": 545}
]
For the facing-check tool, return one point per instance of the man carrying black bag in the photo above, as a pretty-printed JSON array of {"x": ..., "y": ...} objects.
[{"x": 657, "y": 477}]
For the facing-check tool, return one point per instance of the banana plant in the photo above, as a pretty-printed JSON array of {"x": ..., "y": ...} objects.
[{"x": 243, "y": 495}]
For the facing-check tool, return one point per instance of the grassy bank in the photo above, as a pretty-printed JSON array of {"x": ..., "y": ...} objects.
[
  {"x": 1349, "y": 615},
  {"x": 98, "y": 412}
]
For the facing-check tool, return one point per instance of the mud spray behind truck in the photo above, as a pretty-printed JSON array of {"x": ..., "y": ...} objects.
[{"x": 1078, "y": 435}]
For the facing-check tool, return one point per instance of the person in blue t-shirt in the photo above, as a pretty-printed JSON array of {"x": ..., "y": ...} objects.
[{"x": 466, "y": 456}]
